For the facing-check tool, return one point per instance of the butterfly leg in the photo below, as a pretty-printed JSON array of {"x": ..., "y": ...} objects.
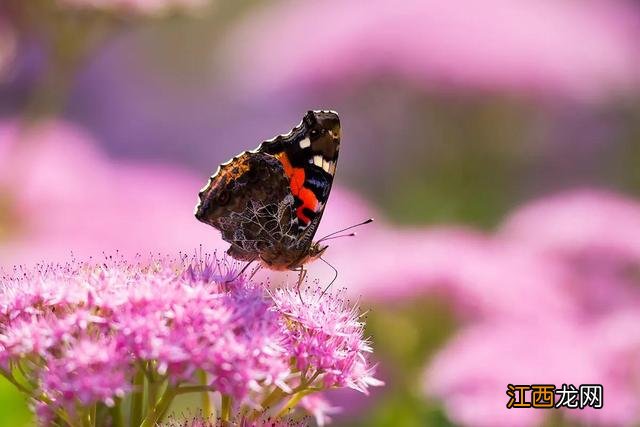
[
  {"x": 242, "y": 271},
  {"x": 302, "y": 274},
  {"x": 333, "y": 280},
  {"x": 253, "y": 273}
]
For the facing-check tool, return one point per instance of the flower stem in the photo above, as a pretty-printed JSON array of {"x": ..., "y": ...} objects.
[
  {"x": 206, "y": 401},
  {"x": 192, "y": 389},
  {"x": 136, "y": 398},
  {"x": 155, "y": 415},
  {"x": 116, "y": 415},
  {"x": 152, "y": 394},
  {"x": 86, "y": 419},
  {"x": 225, "y": 411},
  {"x": 293, "y": 402},
  {"x": 273, "y": 398},
  {"x": 92, "y": 414}
]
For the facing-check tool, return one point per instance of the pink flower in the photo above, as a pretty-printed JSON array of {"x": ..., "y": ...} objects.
[
  {"x": 573, "y": 48},
  {"x": 590, "y": 238},
  {"x": 472, "y": 372},
  {"x": 319, "y": 407},
  {"x": 480, "y": 276},
  {"x": 616, "y": 347},
  {"x": 568, "y": 222},
  {"x": 77, "y": 375},
  {"x": 594, "y": 235},
  {"x": 325, "y": 337},
  {"x": 60, "y": 195},
  {"x": 87, "y": 328}
]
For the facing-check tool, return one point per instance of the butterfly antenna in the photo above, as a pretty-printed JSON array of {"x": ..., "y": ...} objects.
[
  {"x": 330, "y": 283},
  {"x": 370, "y": 220},
  {"x": 337, "y": 237}
]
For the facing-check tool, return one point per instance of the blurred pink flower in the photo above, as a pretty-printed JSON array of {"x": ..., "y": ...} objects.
[
  {"x": 568, "y": 222},
  {"x": 594, "y": 235},
  {"x": 59, "y": 194},
  {"x": 319, "y": 407},
  {"x": 478, "y": 275},
  {"x": 150, "y": 7},
  {"x": 472, "y": 372},
  {"x": 580, "y": 49},
  {"x": 590, "y": 238},
  {"x": 470, "y": 375}
]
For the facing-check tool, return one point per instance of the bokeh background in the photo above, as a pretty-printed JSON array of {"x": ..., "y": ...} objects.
[{"x": 496, "y": 142}]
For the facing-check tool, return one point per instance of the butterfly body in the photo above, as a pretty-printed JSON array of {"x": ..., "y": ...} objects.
[{"x": 267, "y": 203}]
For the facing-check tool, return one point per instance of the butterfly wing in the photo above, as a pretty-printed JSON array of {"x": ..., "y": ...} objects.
[
  {"x": 268, "y": 202},
  {"x": 309, "y": 154},
  {"x": 249, "y": 201}
]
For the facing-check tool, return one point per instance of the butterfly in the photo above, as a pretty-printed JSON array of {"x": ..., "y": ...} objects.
[{"x": 268, "y": 202}]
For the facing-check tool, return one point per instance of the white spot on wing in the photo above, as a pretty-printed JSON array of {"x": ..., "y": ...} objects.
[
  {"x": 305, "y": 143},
  {"x": 326, "y": 165},
  {"x": 317, "y": 160},
  {"x": 332, "y": 169}
]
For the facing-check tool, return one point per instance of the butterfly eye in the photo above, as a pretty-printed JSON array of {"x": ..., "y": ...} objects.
[
  {"x": 223, "y": 199},
  {"x": 314, "y": 133}
]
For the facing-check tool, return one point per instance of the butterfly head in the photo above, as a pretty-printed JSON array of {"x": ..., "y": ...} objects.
[
  {"x": 316, "y": 250},
  {"x": 322, "y": 128}
]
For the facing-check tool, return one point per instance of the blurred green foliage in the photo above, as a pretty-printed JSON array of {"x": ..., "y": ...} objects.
[
  {"x": 14, "y": 411},
  {"x": 405, "y": 335}
]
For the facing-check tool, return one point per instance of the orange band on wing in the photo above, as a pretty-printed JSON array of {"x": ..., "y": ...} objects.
[
  {"x": 309, "y": 201},
  {"x": 284, "y": 159},
  {"x": 296, "y": 181}
]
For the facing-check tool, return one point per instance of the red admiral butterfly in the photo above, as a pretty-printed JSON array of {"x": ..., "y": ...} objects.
[{"x": 267, "y": 203}]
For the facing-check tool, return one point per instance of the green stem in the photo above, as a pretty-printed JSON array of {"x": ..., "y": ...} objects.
[
  {"x": 206, "y": 400},
  {"x": 278, "y": 394},
  {"x": 64, "y": 417},
  {"x": 92, "y": 414},
  {"x": 273, "y": 397},
  {"x": 192, "y": 389},
  {"x": 158, "y": 411},
  {"x": 225, "y": 411},
  {"x": 293, "y": 402},
  {"x": 116, "y": 415},
  {"x": 85, "y": 419},
  {"x": 136, "y": 398},
  {"x": 152, "y": 394}
]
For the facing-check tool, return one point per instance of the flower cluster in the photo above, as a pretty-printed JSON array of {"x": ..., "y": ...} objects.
[
  {"x": 82, "y": 339},
  {"x": 570, "y": 265},
  {"x": 324, "y": 336}
]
